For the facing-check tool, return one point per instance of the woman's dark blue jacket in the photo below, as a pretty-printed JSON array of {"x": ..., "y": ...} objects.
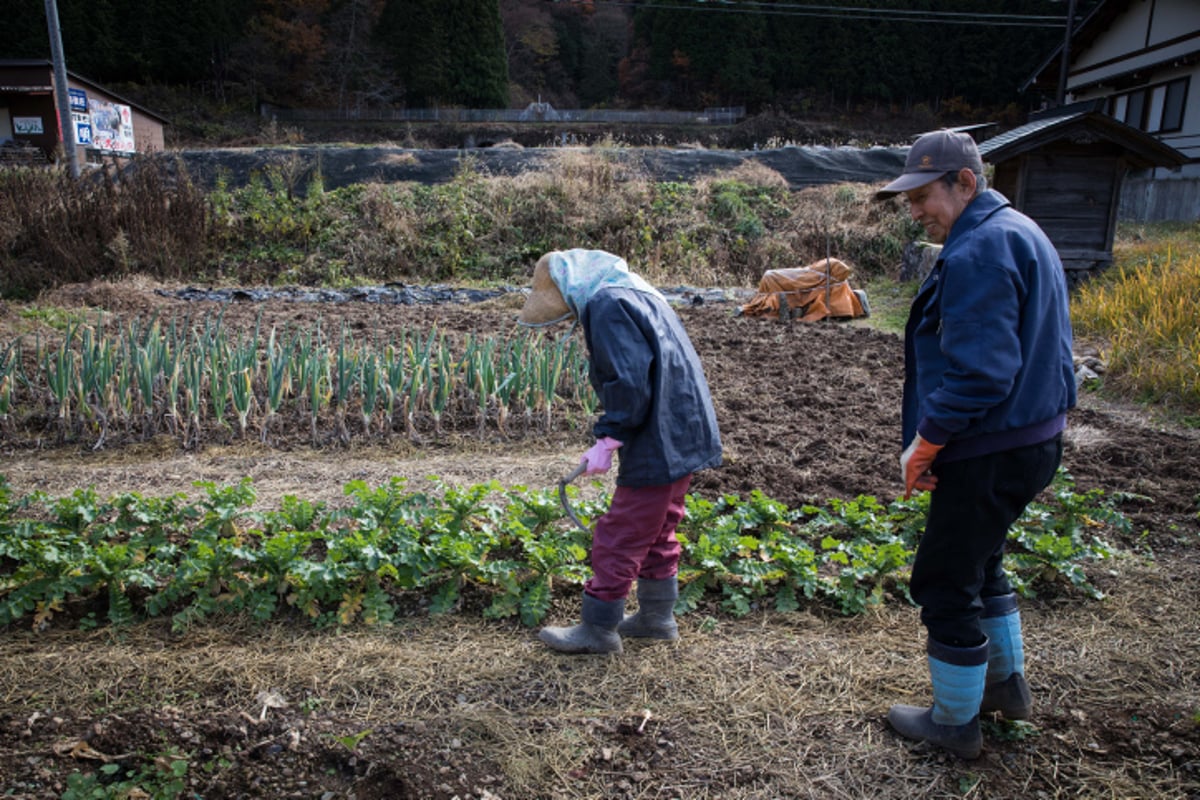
[{"x": 651, "y": 385}]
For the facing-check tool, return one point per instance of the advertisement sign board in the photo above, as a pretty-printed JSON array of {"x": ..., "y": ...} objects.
[
  {"x": 112, "y": 126},
  {"x": 83, "y": 128}
]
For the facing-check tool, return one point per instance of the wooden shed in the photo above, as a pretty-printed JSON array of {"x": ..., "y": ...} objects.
[
  {"x": 1065, "y": 170},
  {"x": 102, "y": 123}
]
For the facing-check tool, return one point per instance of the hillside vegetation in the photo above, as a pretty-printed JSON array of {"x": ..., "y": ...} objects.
[{"x": 716, "y": 231}]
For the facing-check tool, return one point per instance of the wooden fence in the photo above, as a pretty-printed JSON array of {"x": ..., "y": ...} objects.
[
  {"x": 534, "y": 112},
  {"x": 1160, "y": 200}
]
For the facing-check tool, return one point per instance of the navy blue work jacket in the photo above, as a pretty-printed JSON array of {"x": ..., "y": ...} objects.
[
  {"x": 988, "y": 363},
  {"x": 651, "y": 385}
]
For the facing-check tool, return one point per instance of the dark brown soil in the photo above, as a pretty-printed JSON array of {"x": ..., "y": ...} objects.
[{"x": 807, "y": 412}]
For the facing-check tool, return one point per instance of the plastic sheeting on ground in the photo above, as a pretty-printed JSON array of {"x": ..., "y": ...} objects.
[
  {"x": 403, "y": 294},
  {"x": 801, "y": 167}
]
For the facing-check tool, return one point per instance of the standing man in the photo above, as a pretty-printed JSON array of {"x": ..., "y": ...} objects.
[
  {"x": 988, "y": 380},
  {"x": 657, "y": 413}
]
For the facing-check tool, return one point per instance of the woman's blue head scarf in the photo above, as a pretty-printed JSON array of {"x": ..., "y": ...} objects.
[{"x": 579, "y": 274}]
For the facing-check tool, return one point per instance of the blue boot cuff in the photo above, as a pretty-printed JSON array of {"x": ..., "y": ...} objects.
[
  {"x": 1006, "y": 649},
  {"x": 957, "y": 690}
]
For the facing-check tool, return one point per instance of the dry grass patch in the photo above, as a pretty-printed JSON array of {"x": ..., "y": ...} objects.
[{"x": 764, "y": 707}]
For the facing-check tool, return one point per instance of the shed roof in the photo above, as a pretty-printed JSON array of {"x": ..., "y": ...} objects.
[
  {"x": 1082, "y": 121},
  {"x": 26, "y": 63}
]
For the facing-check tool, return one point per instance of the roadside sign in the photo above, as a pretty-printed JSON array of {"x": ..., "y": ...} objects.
[
  {"x": 83, "y": 128},
  {"x": 27, "y": 126}
]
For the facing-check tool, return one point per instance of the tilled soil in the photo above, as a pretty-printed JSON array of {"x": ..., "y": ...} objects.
[{"x": 470, "y": 708}]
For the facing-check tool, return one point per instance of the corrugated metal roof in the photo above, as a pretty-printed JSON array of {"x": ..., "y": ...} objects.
[
  {"x": 1028, "y": 129},
  {"x": 1142, "y": 148}
]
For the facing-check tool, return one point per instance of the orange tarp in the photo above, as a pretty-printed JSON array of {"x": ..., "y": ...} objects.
[{"x": 820, "y": 290}]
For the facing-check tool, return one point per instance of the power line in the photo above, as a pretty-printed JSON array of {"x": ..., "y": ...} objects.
[
  {"x": 770, "y": 7},
  {"x": 847, "y": 13}
]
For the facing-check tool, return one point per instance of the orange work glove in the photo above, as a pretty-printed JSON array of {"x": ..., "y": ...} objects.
[{"x": 915, "y": 463}]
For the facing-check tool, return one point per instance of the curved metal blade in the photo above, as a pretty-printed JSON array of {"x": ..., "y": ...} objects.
[{"x": 562, "y": 496}]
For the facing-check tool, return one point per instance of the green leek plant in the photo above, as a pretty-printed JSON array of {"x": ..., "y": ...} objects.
[
  {"x": 370, "y": 381},
  {"x": 10, "y": 366},
  {"x": 345, "y": 374},
  {"x": 547, "y": 372},
  {"x": 515, "y": 379},
  {"x": 171, "y": 375},
  {"x": 98, "y": 368},
  {"x": 392, "y": 366},
  {"x": 218, "y": 361},
  {"x": 278, "y": 375},
  {"x": 61, "y": 372},
  {"x": 317, "y": 388},
  {"x": 444, "y": 378},
  {"x": 243, "y": 366},
  {"x": 191, "y": 367},
  {"x": 419, "y": 379}
]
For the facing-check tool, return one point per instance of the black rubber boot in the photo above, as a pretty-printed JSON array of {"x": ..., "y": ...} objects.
[
  {"x": 1007, "y": 691},
  {"x": 655, "y": 617},
  {"x": 597, "y": 633},
  {"x": 952, "y": 723},
  {"x": 1011, "y": 697}
]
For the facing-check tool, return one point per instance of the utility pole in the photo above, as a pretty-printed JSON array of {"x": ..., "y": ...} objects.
[
  {"x": 1066, "y": 54},
  {"x": 66, "y": 124}
]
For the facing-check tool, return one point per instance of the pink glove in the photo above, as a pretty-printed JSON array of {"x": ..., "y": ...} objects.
[
  {"x": 599, "y": 457},
  {"x": 915, "y": 464}
]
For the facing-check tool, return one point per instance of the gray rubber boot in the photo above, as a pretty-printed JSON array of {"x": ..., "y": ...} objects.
[
  {"x": 1007, "y": 691},
  {"x": 655, "y": 617},
  {"x": 952, "y": 723},
  {"x": 597, "y": 633}
]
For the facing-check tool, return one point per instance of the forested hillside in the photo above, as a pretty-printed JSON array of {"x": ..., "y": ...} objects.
[{"x": 801, "y": 57}]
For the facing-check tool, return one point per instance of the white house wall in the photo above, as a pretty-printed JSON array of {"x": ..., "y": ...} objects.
[
  {"x": 1152, "y": 37},
  {"x": 1150, "y": 32},
  {"x": 1186, "y": 140},
  {"x": 1127, "y": 34}
]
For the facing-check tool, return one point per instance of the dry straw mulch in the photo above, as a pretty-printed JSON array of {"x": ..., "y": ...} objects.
[{"x": 769, "y": 706}]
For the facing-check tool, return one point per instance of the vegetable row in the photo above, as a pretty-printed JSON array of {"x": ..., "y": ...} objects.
[
  {"x": 389, "y": 551},
  {"x": 150, "y": 378}
]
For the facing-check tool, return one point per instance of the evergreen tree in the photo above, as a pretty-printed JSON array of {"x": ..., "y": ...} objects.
[
  {"x": 477, "y": 69},
  {"x": 591, "y": 41},
  {"x": 446, "y": 51},
  {"x": 24, "y": 33},
  {"x": 411, "y": 33}
]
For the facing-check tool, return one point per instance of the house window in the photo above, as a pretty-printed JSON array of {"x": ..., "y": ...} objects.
[
  {"x": 1118, "y": 105},
  {"x": 1158, "y": 96},
  {"x": 1176, "y": 101},
  {"x": 1137, "y": 104},
  {"x": 1154, "y": 109}
]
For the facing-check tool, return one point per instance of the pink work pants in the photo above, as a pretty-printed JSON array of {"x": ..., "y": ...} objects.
[{"x": 636, "y": 538}]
